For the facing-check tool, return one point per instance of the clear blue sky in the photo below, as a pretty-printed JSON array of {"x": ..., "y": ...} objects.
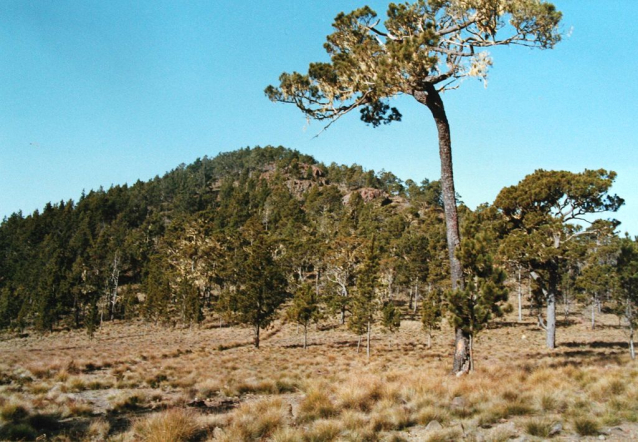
[{"x": 94, "y": 93}]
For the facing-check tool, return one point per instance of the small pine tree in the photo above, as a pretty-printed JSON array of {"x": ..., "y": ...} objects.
[
  {"x": 471, "y": 308},
  {"x": 431, "y": 313},
  {"x": 365, "y": 302},
  {"x": 305, "y": 308}
]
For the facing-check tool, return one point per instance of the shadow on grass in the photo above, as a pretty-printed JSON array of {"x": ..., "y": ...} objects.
[{"x": 596, "y": 344}]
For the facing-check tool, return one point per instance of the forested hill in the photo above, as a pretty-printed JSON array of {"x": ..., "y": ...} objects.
[{"x": 169, "y": 248}]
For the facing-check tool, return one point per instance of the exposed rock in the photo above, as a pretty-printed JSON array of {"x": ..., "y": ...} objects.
[
  {"x": 433, "y": 426},
  {"x": 556, "y": 429},
  {"x": 458, "y": 403}
]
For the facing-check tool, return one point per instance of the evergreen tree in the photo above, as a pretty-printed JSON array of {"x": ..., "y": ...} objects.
[
  {"x": 421, "y": 50},
  {"x": 626, "y": 296},
  {"x": 543, "y": 215},
  {"x": 261, "y": 286},
  {"x": 366, "y": 302},
  {"x": 305, "y": 308}
]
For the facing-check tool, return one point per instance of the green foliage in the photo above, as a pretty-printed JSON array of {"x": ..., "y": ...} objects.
[
  {"x": 391, "y": 317},
  {"x": 366, "y": 302},
  {"x": 432, "y": 310},
  {"x": 306, "y": 307},
  {"x": 258, "y": 282},
  {"x": 473, "y": 307},
  {"x": 543, "y": 217},
  {"x": 421, "y": 44}
]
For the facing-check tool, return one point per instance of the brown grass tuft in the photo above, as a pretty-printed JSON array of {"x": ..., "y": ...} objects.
[{"x": 175, "y": 425}]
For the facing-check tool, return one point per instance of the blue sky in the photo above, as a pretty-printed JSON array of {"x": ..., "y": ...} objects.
[{"x": 96, "y": 93}]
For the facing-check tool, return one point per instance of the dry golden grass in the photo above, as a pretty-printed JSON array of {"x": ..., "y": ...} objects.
[
  {"x": 168, "y": 426},
  {"x": 132, "y": 377}
]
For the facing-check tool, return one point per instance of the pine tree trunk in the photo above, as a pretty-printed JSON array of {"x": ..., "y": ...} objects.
[
  {"x": 632, "y": 350},
  {"x": 462, "y": 363},
  {"x": 520, "y": 296},
  {"x": 432, "y": 99},
  {"x": 551, "y": 318},
  {"x": 368, "y": 342},
  {"x": 305, "y": 335},
  {"x": 529, "y": 295},
  {"x": 416, "y": 296},
  {"x": 593, "y": 314},
  {"x": 410, "y": 298},
  {"x": 257, "y": 336},
  {"x": 359, "y": 343}
]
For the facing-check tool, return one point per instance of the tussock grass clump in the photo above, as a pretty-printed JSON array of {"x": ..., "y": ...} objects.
[
  {"x": 316, "y": 405},
  {"x": 98, "y": 430},
  {"x": 13, "y": 412},
  {"x": 502, "y": 433},
  {"x": 76, "y": 384},
  {"x": 208, "y": 388},
  {"x": 257, "y": 420},
  {"x": 586, "y": 426},
  {"x": 445, "y": 435},
  {"x": 173, "y": 425},
  {"x": 77, "y": 408},
  {"x": 432, "y": 413},
  {"x": 387, "y": 416},
  {"x": 129, "y": 402},
  {"x": 539, "y": 427},
  {"x": 360, "y": 393}
]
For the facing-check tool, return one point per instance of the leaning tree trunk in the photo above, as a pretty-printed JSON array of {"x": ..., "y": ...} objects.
[{"x": 432, "y": 99}]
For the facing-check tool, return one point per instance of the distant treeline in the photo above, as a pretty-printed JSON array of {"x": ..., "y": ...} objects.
[
  {"x": 161, "y": 249},
  {"x": 243, "y": 235}
]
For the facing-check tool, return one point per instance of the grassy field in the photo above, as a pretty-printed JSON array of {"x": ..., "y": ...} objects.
[{"x": 145, "y": 382}]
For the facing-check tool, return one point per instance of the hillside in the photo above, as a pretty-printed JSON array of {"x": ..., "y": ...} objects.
[
  {"x": 261, "y": 295},
  {"x": 77, "y": 264}
]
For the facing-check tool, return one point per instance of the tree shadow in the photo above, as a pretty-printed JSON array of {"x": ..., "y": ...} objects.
[{"x": 595, "y": 344}]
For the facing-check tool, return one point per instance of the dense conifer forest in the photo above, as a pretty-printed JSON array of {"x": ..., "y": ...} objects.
[
  {"x": 262, "y": 233},
  {"x": 181, "y": 246}
]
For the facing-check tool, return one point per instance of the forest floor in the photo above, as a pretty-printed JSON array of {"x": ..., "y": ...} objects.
[{"x": 138, "y": 381}]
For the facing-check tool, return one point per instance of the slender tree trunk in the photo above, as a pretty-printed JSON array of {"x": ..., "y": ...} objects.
[
  {"x": 257, "y": 336},
  {"x": 471, "y": 352},
  {"x": 359, "y": 343},
  {"x": 410, "y": 298},
  {"x": 529, "y": 295},
  {"x": 629, "y": 314},
  {"x": 368, "y": 342},
  {"x": 520, "y": 296},
  {"x": 432, "y": 99},
  {"x": 305, "y": 335},
  {"x": 551, "y": 318},
  {"x": 593, "y": 314},
  {"x": 430, "y": 337},
  {"x": 416, "y": 296}
]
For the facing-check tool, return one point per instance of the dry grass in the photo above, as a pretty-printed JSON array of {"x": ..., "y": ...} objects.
[
  {"x": 134, "y": 380},
  {"x": 168, "y": 426}
]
